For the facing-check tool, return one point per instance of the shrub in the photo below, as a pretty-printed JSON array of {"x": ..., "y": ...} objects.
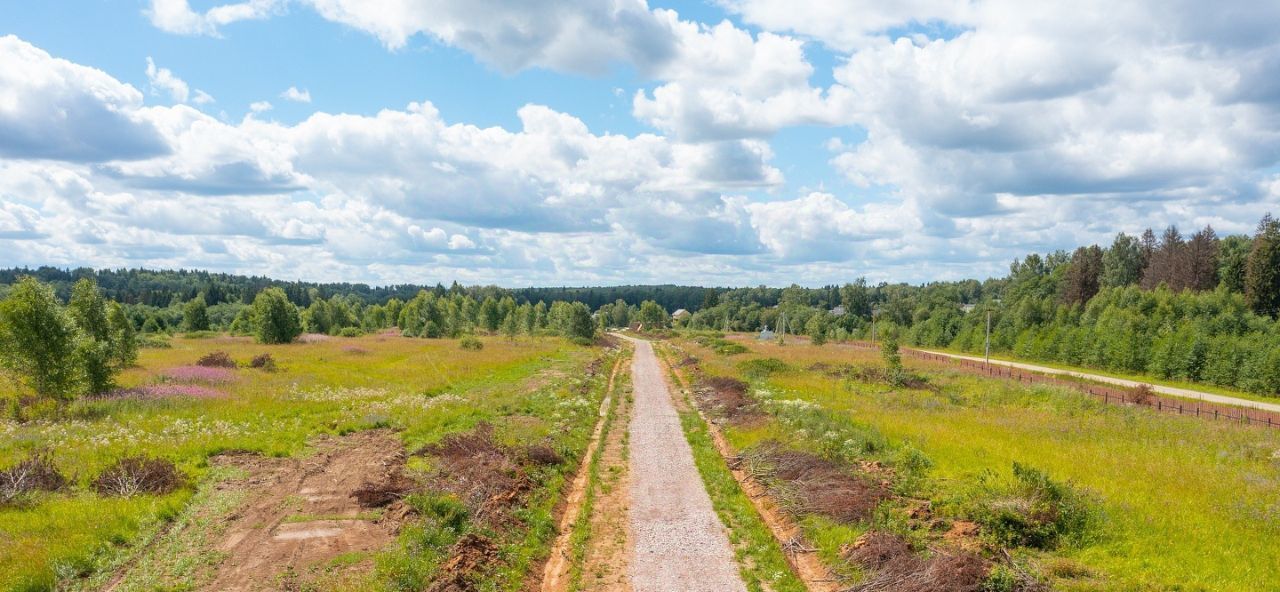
[
  {"x": 136, "y": 475},
  {"x": 470, "y": 343},
  {"x": 36, "y": 473},
  {"x": 154, "y": 342},
  {"x": 1142, "y": 394},
  {"x": 38, "y": 340},
  {"x": 1035, "y": 511},
  {"x": 763, "y": 367},
  {"x": 263, "y": 362},
  {"x": 350, "y": 332},
  {"x": 200, "y": 334},
  {"x": 218, "y": 359}
]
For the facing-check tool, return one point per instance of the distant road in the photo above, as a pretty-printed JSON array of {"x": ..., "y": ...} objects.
[{"x": 1166, "y": 390}]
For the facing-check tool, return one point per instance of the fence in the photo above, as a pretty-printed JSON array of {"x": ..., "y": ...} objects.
[{"x": 1106, "y": 394}]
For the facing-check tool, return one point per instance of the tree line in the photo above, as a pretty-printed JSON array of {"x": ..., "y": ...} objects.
[{"x": 1199, "y": 309}]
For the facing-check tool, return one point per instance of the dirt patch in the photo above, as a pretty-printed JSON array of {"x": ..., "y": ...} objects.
[
  {"x": 727, "y": 398},
  {"x": 300, "y": 513},
  {"x": 805, "y": 483},
  {"x": 469, "y": 556},
  {"x": 896, "y": 567}
]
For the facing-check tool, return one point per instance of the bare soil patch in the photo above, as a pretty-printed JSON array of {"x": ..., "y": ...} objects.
[
  {"x": 604, "y": 567},
  {"x": 896, "y": 567},
  {"x": 298, "y": 514}
]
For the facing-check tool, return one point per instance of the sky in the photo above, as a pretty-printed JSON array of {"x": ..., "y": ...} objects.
[{"x": 599, "y": 142}]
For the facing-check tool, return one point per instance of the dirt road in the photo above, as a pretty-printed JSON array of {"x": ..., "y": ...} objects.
[
  {"x": 1165, "y": 390},
  {"x": 678, "y": 541}
]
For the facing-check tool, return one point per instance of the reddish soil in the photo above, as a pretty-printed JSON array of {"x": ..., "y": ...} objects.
[{"x": 272, "y": 540}]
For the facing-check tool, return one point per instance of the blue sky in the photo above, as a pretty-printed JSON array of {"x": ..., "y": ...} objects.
[{"x": 736, "y": 142}]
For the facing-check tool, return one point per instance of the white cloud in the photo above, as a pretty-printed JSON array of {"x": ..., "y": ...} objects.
[
  {"x": 176, "y": 16},
  {"x": 260, "y": 106},
  {"x": 164, "y": 80},
  {"x": 295, "y": 95},
  {"x": 52, "y": 108}
]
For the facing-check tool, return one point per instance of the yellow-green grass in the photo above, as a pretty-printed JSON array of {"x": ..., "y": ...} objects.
[
  {"x": 1189, "y": 504},
  {"x": 424, "y": 388}
]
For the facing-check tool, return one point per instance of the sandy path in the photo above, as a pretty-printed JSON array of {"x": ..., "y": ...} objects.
[{"x": 678, "y": 542}]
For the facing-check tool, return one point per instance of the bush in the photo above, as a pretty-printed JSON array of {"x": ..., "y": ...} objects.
[
  {"x": 136, "y": 475},
  {"x": 218, "y": 359},
  {"x": 762, "y": 368},
  {"x": 154, "y": 342},
  {"x": 275, "y": 319},
  {"x": 350, "y": 332},
  {"x": 470, "y": 343},
  {"x": 200, "y": 334},
  {"x": 263, "y": 362},
  {"x": 36, "y": 473},
  {"x": 1035, "y": 511}
]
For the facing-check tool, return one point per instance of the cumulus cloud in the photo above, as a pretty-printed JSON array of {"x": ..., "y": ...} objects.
[
  {"x": 298, "y": 96},
  {"x": 52, "y": 108}
]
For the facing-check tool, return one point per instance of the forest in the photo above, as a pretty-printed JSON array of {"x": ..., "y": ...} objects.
[{"x": 1199, "y": 309}]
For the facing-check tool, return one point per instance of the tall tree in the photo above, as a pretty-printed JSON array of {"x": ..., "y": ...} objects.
[
  {"x": 1083, "y": 276},
  {"x": 275, "y": 319},
  {"x": 1167, "y": 263},
  {"x": 1201, "y": 260},
  {"x": 1122, "y": 263},
  {"x": 1233, "y": 254},
  {"x": 124, "y": 337},
  {"x": 38, "y": 340},
  {"x": 195, "y": 314},
  {"x": 1262, "y": 270},
  {"x": 94, "y": 347},
  {"x": 856, "y": 298}
]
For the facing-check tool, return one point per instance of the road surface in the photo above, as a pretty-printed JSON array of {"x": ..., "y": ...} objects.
[
  {"x": 1165, "y": 390},
  {"x": 679, "y": 544}
]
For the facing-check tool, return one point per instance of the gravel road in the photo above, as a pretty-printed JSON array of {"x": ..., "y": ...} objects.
[{"x": 679, "y": 544}]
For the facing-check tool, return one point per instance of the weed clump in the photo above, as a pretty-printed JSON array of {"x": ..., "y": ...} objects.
[
  {"x": 895, "y": 566},
  {"x": 137, "y": 475},
  {"x": 217, "y": 359},
  {"x": 1142, "y": 394},
  {"x": 263, "y": 362},
  {"x": 1034, "y": 511},
  {"x": 36, "y": 473},
  {"x": 762, "y": 367},
  {"x": 805, "y": 483},
  {"x": 471, "y": 343}
]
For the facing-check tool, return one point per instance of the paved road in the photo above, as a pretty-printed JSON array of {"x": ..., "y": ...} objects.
[
  {"x": 678, "y": 541},
  {"x": 1166, "y": 390}
]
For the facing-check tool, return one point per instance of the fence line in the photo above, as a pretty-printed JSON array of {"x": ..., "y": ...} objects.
[{"x": 1109, "y": 395}]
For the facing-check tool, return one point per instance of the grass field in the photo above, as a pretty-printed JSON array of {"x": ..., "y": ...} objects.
[
  {"x": 531, "y": 390},
  {"x": 1184, "y": 504}
]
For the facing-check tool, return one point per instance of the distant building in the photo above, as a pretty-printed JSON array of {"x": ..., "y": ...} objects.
[
  {"x": 838, "y": 311},
  {"x": 766, "y": 334},
  {"x": 968, "y": 308},
  {"x": 680, "y": 314}
]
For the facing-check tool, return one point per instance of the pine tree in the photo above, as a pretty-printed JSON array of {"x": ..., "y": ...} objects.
[
  {"x": 1122, "y": 263},
  {"x": 1083, "y": 276},
  {"x": 1201, "y": 260},
  {"x": 1262, "y": 270}
]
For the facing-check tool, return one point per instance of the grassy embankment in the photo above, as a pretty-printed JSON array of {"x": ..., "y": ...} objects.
[
  {"x": 1185, "y": 504},
  {"x": 531, "y": 390}
]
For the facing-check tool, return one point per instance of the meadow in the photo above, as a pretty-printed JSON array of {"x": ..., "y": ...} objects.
[
  {"x": 530, "y": 390},
  {"x": 1173, "y": 503}
]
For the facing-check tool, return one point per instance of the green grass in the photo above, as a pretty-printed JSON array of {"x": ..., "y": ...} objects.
[
  {"x": 1188, "y": 504},
  {"x": 422, "y": 388}
]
